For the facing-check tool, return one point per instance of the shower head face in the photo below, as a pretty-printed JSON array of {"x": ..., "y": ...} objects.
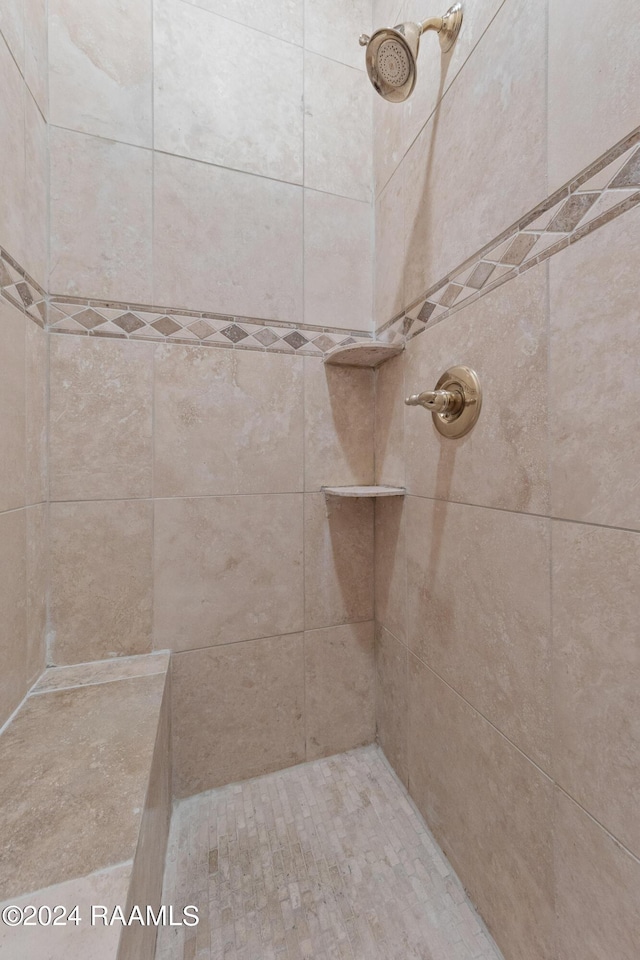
[{"x": 391, "y": 61}]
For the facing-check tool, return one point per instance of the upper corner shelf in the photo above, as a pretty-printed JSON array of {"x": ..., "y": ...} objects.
[
  {"x": 367, "y": 353},
  {"x": 379, "y": 491}
]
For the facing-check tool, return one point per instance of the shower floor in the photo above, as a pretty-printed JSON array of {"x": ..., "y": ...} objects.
[{"x": 329, "y": 859}]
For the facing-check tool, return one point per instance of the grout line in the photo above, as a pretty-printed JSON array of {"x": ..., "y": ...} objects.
[
  {"x": 565, "y": 238},
  {"x": 276, "y": 636},
  {"x": 213, "y": 496},
  {"x": 442, "y": 98},
  {"x": 479, "y": 713},
  {"x": 94, "y": 873},
  {"x": 298, "y": 184},
  {"x": 548, "y": 776},
  {"x": 153, "y": 148},
  {"x": 27, "y": 87},
  {"x": 97, "y": 682},
  {"x": 525, "y": 513}
]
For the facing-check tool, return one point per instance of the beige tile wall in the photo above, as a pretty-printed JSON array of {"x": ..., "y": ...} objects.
[
  {"x": 23, "y": 514},
  {"x": 23, "y": 517},
  {"x": 23, "y": 350},
  {"x": 203, "y": 166},
  {"x": 202, "y": 163},
  {"x": 23, "y": 144},
  {"x": 506, "y": 603},
  {"x": 187, "y": 514}
]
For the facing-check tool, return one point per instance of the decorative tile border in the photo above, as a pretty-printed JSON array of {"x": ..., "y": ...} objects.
[
  {"x": 606, "y": 189},
  {"x": 21, "y": 290},
  {"x": 135, "y": 322},
  {"x": 602, "y": 192}
]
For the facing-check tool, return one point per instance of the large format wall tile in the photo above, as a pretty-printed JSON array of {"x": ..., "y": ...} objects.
[
  {"x": 227, "y": 422},
  {"x": 13, "y": 612},
  {"x": 597, "y": 673},
  {"x": 226, "y": 241},
  {"x": 332, "y": 28},
  {"x": 278, "y": 18},
  {"x": 37, "y": 555},
  {"x": 12, "y": 405},
  {"x": 101, "y": 580},
  {"x": 479, "y": 612},
  {"x": 582, "y": 124},
  {"x": 389, "y": 425},
  {"x": 337, "y": 128},
  {"x": 227, "y": 94},
  {"x": 389, "y": 252},
  {"x": 391, "y": 565},
  {"x": 392, "y": 700},
  {"x": 339, "y": 688},
  {"x": 237, "y": 712},
  {"x": 12, "y": 151},
  {"x": 101, "y": 68},
  {"x": 594, "y": 383},
  {"x": 338, "y": 549},
  {"x": 12, "y": 28},
  {"x": 35, "y": 257},
  {"x": 227, "y": 569},
  {"x": 36, "y": 52},
  {"x": 101, "y": 396},
  {"x": 339, "y": 417},
  {"x": 490, "y": 810},
  {"x": 387, "y": 125},
  {"x": 437, "y": 70},
  {"x": 597, "y": 889},
  {"x": 100, "y": 218},
  {"x": 480, "y": 162},
  {"x": 337, "y": 261},
  {"x": 36, "y": 413},
  {"x": 503, "y": 461}
]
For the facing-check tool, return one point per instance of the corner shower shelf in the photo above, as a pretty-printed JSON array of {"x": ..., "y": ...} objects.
[
  {"x": 380, "y": 491},
  {"x": 367, "y": 353}
]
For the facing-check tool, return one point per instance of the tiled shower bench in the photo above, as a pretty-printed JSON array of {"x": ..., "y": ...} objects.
[{"x": 85, "y": 805}]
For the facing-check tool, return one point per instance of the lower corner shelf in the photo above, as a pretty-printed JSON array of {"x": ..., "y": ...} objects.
[{"x": 376, "y": 491}]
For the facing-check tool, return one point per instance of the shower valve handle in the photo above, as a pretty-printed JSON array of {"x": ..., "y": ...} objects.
[
  {"x": 438, "y": 401},
  {"x": 455, "y": 403}
]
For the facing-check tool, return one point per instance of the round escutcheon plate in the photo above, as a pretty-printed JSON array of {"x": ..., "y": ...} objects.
[{"x": 465, "y": 381}]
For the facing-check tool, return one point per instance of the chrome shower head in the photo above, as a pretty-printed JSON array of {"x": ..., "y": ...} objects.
[{"x": 392, "y": 54}]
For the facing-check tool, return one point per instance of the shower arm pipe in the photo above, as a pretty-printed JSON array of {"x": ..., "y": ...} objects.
[{"x": 433, "y": 23}]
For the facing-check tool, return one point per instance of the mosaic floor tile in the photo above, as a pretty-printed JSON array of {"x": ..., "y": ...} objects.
[{"x": 329, "y": 859}]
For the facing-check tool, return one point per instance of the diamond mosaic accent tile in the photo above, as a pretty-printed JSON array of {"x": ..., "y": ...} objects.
[
  {"x": 605, "y": 190},
  {"x": 26, "y": 293},
  {"x": 266, "y": 337},
  {"x": 426, "y": 310},
  {"x": 296, "y": 340},
  {"x": 129, "y": 323},
  {"x": 629, "y": 176},
  {"x": 202, "y": 329},
  {"x": 214, "y": 330},
  {"x": 89, "y": 319},
  {"x": 166, "y": 326},
  {"x": 234, "y": 333},
  {"x": 324, "y": 343},
  {"x": 572, "y": 212},
  {"x": 21, "y": 290},
  {"x": 519, "y": 249},
  {"x": 480, "y": 275}
]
